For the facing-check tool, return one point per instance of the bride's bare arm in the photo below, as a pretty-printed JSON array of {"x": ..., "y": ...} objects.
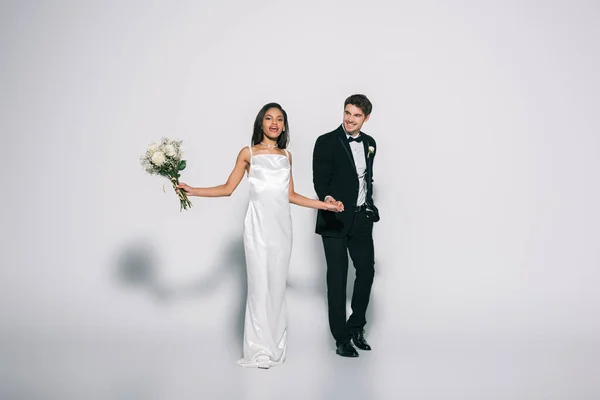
[
  {"x": 298, "y": 199},
  {"x": 242, "y": 162}
]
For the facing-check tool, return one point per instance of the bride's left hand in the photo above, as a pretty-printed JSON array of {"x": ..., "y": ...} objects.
[{"x": 334, "y": 206}]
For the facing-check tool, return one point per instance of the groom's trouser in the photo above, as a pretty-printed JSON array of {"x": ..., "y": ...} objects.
[{"x": 359, "y": 243}]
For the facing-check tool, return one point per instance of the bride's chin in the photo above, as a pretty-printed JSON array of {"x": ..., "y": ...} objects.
[{"x": 273, "y": 138}]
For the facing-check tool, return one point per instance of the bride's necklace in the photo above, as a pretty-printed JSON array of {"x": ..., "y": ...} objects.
[{"x": 269, "y": 146}]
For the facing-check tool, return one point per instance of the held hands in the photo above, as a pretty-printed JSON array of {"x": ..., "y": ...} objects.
[{"x": 333, "y": 205}]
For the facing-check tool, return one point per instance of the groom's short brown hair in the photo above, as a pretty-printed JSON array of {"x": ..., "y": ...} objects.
[{"x": 361, "y": 101}]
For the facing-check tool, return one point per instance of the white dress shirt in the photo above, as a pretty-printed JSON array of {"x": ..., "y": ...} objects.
[{"x": 358, "y": 153}]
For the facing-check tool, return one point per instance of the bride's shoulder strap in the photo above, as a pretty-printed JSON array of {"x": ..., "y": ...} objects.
[{"x": 250, "y": 148}]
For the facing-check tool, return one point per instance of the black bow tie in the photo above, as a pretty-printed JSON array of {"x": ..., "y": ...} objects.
[{"x": 355, "y": 139}]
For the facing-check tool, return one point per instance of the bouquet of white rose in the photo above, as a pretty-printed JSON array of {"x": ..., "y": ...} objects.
[{"x": 164, "y": 158}]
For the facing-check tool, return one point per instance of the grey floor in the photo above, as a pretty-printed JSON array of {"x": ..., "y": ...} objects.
[
  {"x": 204, "y": 369},
  {"x": 202, "y": 365}
]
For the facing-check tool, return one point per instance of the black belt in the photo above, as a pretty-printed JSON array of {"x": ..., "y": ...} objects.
[{"x": 360, "y": 208}]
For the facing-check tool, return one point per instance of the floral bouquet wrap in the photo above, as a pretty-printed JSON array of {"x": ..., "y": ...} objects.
[{"x": 164, "y": 158}]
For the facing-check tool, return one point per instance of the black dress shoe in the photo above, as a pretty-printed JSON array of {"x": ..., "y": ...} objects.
[
  {"x": 346, "y": 350},
  {"x": 359, "y": 340}
]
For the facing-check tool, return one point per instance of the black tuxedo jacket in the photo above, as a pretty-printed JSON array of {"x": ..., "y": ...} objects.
[{"x": 334, "y": 174}]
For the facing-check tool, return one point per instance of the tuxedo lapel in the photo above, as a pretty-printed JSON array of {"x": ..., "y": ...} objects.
[
  {"x": 365, "y": 143},
  {"x": 346, "y": 146},
  {"x": 369, "y": 164}
]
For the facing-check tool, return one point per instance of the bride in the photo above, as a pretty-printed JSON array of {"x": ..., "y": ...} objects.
[{"x": 267, "y": 233}]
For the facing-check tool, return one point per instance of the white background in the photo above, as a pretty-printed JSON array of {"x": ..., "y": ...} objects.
[{"x": 487, "y": 179}]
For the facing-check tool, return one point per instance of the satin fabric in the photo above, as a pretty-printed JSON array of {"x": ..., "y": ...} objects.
[{"x": 267, "y": 246}]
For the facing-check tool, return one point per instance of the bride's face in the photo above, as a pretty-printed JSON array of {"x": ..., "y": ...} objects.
[{"x": 273, "y": 123}]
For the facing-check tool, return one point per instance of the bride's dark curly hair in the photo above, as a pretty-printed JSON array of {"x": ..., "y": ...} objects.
[{"x": 257, "y": 136}]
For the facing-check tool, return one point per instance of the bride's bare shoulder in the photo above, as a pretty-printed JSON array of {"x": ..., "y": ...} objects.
[{"x": 245, "y": 153}]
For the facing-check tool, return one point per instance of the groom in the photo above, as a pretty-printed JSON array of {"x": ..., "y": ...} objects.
[{"x": 343, "y": 172}]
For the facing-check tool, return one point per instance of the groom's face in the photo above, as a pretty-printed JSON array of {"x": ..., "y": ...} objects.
[{"x": 354, "y": 118}]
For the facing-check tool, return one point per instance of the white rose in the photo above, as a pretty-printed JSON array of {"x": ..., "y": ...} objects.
[
  {"x": 158, "y": 158},
  {"x": 153, "y": 148},
  {"x": 170, "y": 150},
  {"x": 371, "y": 151}
]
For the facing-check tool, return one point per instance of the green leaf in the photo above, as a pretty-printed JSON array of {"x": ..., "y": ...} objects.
[{"x": 181, "y": 165}]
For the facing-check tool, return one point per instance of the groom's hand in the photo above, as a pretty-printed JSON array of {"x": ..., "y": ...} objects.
[
  {"x": 334, "y": 206},
  {"x": 339, "y": 204}
]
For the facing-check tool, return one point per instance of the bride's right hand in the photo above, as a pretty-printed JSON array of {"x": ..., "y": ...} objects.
[{"x": 186, "y": 188}]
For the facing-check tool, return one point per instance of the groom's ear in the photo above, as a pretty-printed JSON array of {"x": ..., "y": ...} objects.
[{"x": 367, "y": 118}]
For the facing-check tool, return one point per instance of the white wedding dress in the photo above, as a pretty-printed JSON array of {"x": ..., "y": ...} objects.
[{"x": 267, "y": 245}]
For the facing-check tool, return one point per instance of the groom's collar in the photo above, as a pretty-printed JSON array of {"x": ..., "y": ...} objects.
[{"x": 346, "y": 133}]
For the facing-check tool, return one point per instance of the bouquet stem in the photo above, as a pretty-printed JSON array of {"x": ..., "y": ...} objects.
[{"x": 184, "y": 202}]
